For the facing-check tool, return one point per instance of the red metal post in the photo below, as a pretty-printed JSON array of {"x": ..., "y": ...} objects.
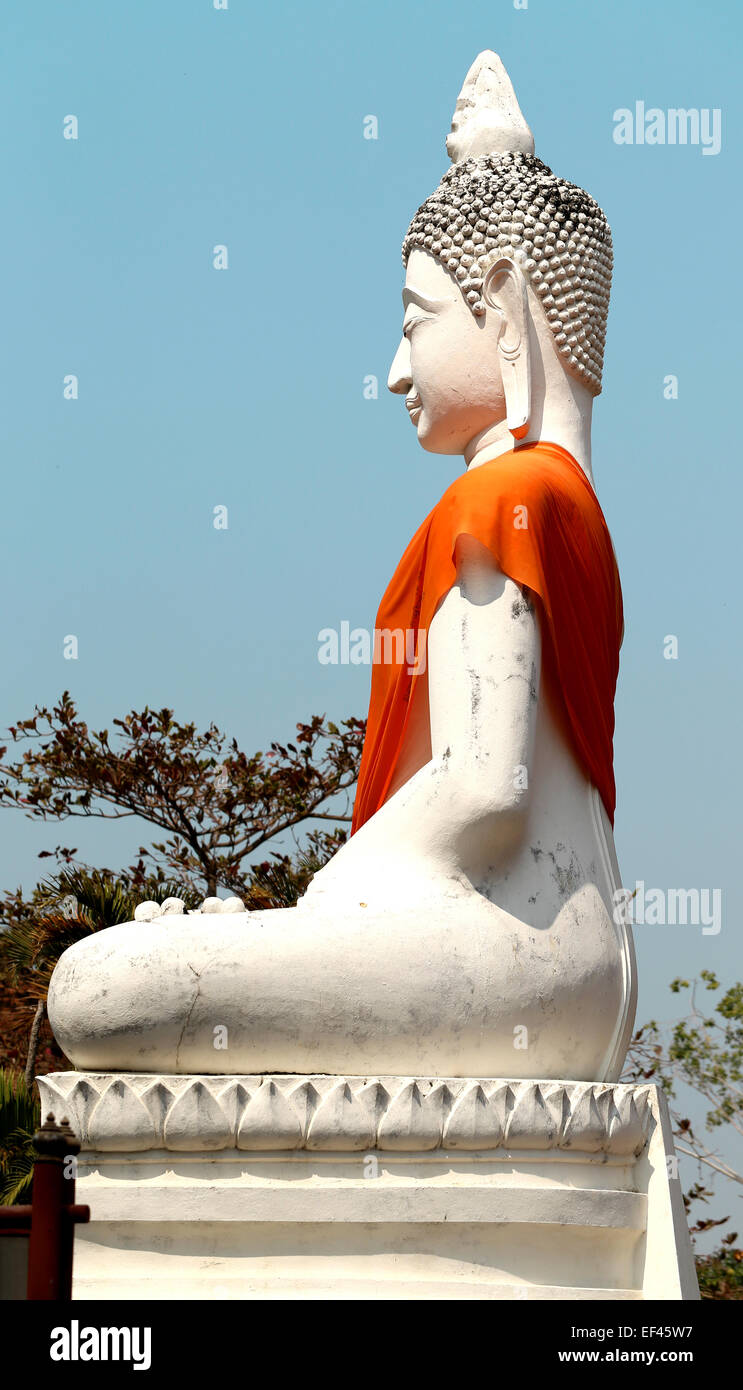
[{"x": 53, "y": 1218}]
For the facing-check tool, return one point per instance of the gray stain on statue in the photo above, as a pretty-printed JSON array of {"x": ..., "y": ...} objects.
[
  {"x": 533, "y": 684},
  {"x": 520, "y": 607}
]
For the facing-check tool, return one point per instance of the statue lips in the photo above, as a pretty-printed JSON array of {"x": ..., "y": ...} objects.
[{"x": 414, "y": 406}]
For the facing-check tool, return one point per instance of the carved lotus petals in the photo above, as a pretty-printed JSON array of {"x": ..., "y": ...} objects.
[
  {"x": 158, "y": 1099},
  {"x": 135, "y": 1112},
  {"x": 533, "y": 1123},
  {"x": 80, "y": 1104},
  {"x": 53, "y": 1091},
  {"x": 233, "y": 905},
  {"x": 603, "y": 1098},
  {"x": 440, "y": 1100},
  {"x": 121, "y": 1121},
  {"x": 270, "y": 1121},
  {"x": 344, "y": 1120},
  {"x": 414, "y": 1120},
  {"x": 196, "y": 1120},
  {"x": 59, "y": 1099},
  {"x": 584, "y": 1127},
  {"x": 233, "y": 1100},
  {"x": 500, "y": 1100},
  {"x": 305, "y": 1100},
  {"x": 211, "y": 905},
  {"x": 473, "y": 1122},
  {"x": 627, "y": 1121}
]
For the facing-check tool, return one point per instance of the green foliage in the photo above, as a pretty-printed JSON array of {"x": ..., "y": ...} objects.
[
  {"x": 63, "y": 908},
  {"x": 19, "y": 1108},
  {"x": 20, "y": 1115},
  {"x": 721, "y": 1275},
  {"x": 215, "y": 805},
  {"x": 35, "y": 931},
  {"x": 280, "y": 881},
  {"x": 704, "y": 1050}
]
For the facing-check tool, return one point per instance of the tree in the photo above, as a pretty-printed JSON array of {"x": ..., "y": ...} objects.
[
  {"x": 704, "y": 1051},
  {"x": 721, "y": 1275},
  {"x": 215, "y": 806},
  {"x": 35, "y": 932},
  {"x": 19, "y": 1117}
]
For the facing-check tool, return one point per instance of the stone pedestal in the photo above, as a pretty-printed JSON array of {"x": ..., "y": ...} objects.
[{"x": 384, "y": 1187}]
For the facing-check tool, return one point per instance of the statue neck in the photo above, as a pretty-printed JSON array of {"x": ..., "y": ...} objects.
[{"x": 563, "y": 417}]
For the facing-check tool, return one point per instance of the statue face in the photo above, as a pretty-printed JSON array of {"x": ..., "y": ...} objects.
[{"x": 447, "y": 364}]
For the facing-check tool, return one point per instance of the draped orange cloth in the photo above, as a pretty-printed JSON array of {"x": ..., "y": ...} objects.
[{"x": 537, "y": 514}]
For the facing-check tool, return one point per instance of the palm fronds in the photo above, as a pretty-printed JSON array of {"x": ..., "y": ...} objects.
[{"x": 20, "y": 1115}]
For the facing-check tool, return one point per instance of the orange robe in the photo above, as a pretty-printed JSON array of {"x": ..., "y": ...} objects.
[{"x": 537, "y": 514}]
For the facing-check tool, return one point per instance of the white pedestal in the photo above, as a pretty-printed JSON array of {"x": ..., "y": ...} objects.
[{"x": 374, "y": 1188}]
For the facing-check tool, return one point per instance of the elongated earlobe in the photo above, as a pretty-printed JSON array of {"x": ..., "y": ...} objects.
[{"x": 504, "y": 289}]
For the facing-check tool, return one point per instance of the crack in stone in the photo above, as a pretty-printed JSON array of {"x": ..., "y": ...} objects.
[{"x": 187, "y": 1020}]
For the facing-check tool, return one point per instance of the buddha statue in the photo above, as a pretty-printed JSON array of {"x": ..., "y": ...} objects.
[{"x": 468, "y": 927}]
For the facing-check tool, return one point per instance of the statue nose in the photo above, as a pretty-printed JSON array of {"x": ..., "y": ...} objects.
[{"x": 400, "y": 380}]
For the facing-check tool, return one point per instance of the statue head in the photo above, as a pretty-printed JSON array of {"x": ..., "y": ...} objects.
[{"x": 508, "y": 279}]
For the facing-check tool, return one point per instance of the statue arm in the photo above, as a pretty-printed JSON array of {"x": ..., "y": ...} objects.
[
  {"x": 466, "y": 807},
  {"x": 483, "y": 681}
]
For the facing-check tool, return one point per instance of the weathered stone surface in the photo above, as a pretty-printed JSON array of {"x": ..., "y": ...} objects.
[{"x": 196, "y": 1113}]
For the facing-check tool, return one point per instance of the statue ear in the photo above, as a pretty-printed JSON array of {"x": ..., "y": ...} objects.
[{"x": 504, "y": 289}]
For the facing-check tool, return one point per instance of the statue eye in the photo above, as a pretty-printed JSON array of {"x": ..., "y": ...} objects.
[{"x": 407, "y": 327}]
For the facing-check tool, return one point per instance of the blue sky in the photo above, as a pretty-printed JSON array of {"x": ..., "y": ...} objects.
[{"x": 244, "y": 388}]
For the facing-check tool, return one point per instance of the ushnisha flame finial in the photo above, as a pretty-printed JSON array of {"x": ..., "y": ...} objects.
[{"x": 487, "y": 117}]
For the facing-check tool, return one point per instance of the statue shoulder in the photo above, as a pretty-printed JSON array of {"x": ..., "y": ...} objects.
[{"x": 525, "y": 477}]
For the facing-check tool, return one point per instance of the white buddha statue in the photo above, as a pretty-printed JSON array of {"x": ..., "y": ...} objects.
[{"x": 468, "y": 927}]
